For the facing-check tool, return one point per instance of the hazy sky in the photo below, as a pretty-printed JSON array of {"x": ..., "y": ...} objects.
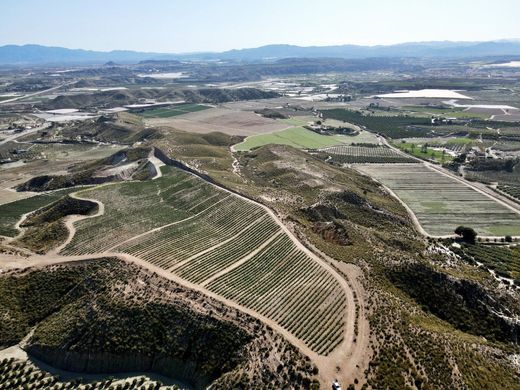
[{"x": 204, "y": 25}]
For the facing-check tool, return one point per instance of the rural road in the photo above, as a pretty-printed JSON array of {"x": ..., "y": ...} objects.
[
  {"x": 36, "y": 93},
  {"x": 345, "y": 363},
  {"x": 24, "y": 133}
]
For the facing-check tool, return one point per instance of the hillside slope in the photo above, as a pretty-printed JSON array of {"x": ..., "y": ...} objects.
[{"x": 104, "y": 315}]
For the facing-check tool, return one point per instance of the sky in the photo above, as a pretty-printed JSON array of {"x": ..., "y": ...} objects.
[{"x": 180, "y": 26}]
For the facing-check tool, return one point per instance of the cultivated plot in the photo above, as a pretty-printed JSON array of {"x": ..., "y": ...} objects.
[
  {"x": 166, "y": 112},
  {"x": 442, "y": 203},
  {"x": 222, "y": 242},
  {"x": 10, "y": 213},
  {"x": 297, "y": 137},
  {"x": 347, "y": 154},
  {"x": 220, "y": 119}
]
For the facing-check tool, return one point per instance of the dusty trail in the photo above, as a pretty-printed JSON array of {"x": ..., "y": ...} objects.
[
  {"x": 23, "y": 133},
  {"x": 157, "y": 163},
  {"x": 343, "y": 363},
  {"x": 36, "y": 93},
  {"x": 71, "y": 219}
]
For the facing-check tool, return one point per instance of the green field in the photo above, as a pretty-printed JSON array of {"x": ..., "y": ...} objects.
[
  {"x": 427, "y": 154},
  {"x": 446, "y": 112},
  {"x": 166, "y": 112},
  {"x": 10, "y": 213},
  {"x": 442, "y": 203},
  {"x": 297, "y": 137},
  {"x": 347, "y": 154},
  {"x": 503, "y": 260}
]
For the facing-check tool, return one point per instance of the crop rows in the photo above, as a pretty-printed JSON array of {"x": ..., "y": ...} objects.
[
  {"x": 206, "y": 265},
  {"x": 135, "y": 208},
  {"x": 442, "y": 203},
  {"x": 504, "y": 261},
  {"x": 282, "y": 283},
  {"x": 211, "y": 237},
  {"x": 178, "y": 242},
  {"x": 361, "y": 154},
  {"x": 10, "y": 213},
  {"x": 23, "y": 374},
  {"x": 513, "y": 191}
]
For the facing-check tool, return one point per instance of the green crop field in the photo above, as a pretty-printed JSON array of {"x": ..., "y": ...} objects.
[
  {"x": 10, "y": 213},
  {"x": 504, "y": 261},
  {"x": 210, "y": 237},
  {"x": 297, "y": 137},
  {"x": 281, "y": 270},
  {"x": 441, "y": 111},
  {"x": 426, "y": 153},
  {"x": 346, "y": 154},
  {"x": 442, "y": 203},
  {"x": 166, "y": 112},
  {"x": 392, "y": 126}
]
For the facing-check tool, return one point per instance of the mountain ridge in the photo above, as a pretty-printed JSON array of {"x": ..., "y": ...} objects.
[{"x": 32, "y": 54}]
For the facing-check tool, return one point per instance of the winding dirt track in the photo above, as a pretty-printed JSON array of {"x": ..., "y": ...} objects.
[{"x": 345, "y": 363}]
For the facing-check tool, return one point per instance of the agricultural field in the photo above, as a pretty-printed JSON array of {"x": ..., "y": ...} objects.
[
  {"x": 166, "y": 112},
  {"x": 503, "y": 178},
  {"x": 442, "y": 203},
  {"x": 12, "y": 212},
  {"x": 444, "y": 112},
  {"x": 315, "y": 304},
  {"x": 18, "y": 373},
  {"x": 513, "y": 191},
  {"x": 297, "y": 137},
  {"x": 346, "y": 154},
  {"x": 504, "y": 261},
  {"x": 217, "y": 240},
  {"x": 391, "y": 126},
  {"x": 227, "y": 121},
  {"x": 425, "y": 152}
]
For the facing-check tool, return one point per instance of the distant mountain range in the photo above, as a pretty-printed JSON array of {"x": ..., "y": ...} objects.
[{"x": 38, "y": 55}]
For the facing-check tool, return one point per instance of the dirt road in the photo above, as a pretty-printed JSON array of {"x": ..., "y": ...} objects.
[
  {"x": 24, "y": 133},
  {"x": 36, "y": 93}
]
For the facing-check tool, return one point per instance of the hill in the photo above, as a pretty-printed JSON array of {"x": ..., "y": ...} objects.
[{"x": 107, "y": 316}]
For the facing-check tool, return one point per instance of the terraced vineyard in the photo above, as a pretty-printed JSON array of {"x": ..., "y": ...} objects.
[
  {"x": 347, "y": 154},
  {"x": 221, "y": 242},
  {"x": 442, "y": 203},
  {"x": 283, "y": 283}
]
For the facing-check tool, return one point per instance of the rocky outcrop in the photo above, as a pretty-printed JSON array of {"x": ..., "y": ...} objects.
[
  {"x": 108, "y": 363},
  {"x": 465, "y": 304}
]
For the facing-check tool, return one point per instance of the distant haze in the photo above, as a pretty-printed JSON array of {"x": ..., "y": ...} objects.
[
  {"x": 44, "y": 55},
  {"x": 173, "y": 26}
]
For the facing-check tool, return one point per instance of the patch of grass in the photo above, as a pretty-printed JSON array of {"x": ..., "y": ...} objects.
[
  {"x": 297, "y": 137},
  {"x": 10, "y": 213},
  {"x": 42, "y": 238},
  {"x": 426, "y": 153}
]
